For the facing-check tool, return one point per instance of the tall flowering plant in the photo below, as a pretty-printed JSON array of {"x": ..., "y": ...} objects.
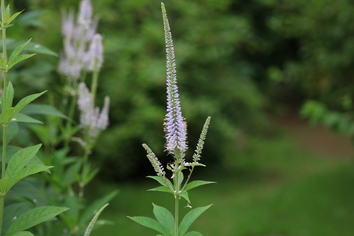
[
  {"x": 81, "y": 121},
  {"x": 166, "y": 223},
  {"x": 17, "y": 164}
]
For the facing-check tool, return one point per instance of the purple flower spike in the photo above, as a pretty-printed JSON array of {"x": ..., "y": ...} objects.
[{"x": 175, "y": 126}]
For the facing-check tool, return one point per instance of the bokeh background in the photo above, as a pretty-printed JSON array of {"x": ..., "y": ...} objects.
[{"x": 264, "y": 70}]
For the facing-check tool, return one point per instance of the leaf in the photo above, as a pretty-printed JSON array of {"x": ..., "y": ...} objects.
[
  {"x": 24, "y": 102},
  {"x": 18, "y": 59},
  {"x": 34, "y": 217},
  {"x": 38, "y": 48},
  {"x": 9, "y": 97},
  {"x": 22, "y": 233},
  {"x": 95, "y": 206},
  {"x": 197, "y": 183},
  {"x": 93, "y": 221},
  {"x": 185, "y": 195},
  {"x": 13, "y": 211},
  {"x": 158, "y": 179},
  {"x": 150, "y": 223},
  {"x": 161, "y": 189},
  {"x": 15, "y": 54},
  {"x": 193, "y": 233},
  {"x": 19, "y": 117},
  {"x": 29, "y": 170},
  {"x": 164, "y": 217},
  {"x": 42, "y": 109},
  {"x": 8, "y": 21},
  {"x": 189, "y": 218},
  {"x": 20, "y": 159}
]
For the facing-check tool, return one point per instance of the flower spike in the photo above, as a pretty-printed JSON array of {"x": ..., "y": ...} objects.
[{"x": 175, "y": 126}]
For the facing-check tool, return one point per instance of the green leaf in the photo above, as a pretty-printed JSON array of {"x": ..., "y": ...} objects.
[
  {"x": 22, "y": 233},
  {"x": 185, "y": 195},
  {"x": 161, "y": 189},
  {"x": 13, "y": 59},
  {"x": 18, "y": 59},
  {"x": 193, "y": 233},
  {"x": 41, "y": 109},
  {"x": 24, "y": 102},
  {"x": 8, "y": 21},
  {"x": 19, "y": 117},
  {"x": 20, "y": 159},
  {"x": 197, "y": 183},
  {"x": 38, "y": 48},
  {"x": 189, "y": 218},
  {"x": 164, "y": 217},
  {"x": 150, "y": 223},
  {"x": 93, "y": 221},
  {"x": 34, "y": 217},
  {"x": 158, "y": 179},
  {"x": 14, "y": 211},
  {"x": 29, "y": 170},
  {"x": 9, "y": 97},
  {"x": 95, "y": 206}
]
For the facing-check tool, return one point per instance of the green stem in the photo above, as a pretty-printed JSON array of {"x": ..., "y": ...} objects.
[
  {"x": 177, "y": 197},
  {"x": 71, "y": 116},
  {"x": 4, "y": 140},
  {"x": 94, "y": 84},
  {"x": 2, "y": 200},
  {"x": 83, "y": 172}
]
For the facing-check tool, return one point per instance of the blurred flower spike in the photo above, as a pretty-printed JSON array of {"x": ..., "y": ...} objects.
[
  {"x": 79, "y": 37},
  {"x": 92, "y": 120}
]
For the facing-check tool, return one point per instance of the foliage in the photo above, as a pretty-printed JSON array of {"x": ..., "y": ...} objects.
[
  {"x": 215, "y": 79},
  {"x": 17, "y": 166}
]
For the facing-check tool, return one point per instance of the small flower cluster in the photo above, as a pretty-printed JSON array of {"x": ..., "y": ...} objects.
[
  {"x": 82, "y": 45},
  {"x": 91, "y": 119}
]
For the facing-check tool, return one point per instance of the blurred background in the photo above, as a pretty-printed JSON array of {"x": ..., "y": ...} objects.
[{"x": 276, "y": 76}]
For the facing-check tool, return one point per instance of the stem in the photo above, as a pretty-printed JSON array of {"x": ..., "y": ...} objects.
[
  {"x": 2, "y": 200},
  {"x": 71, "y": 116},
  {"x": 4, "y": 140},
  {"x": 177, "y": 197},
  {"x": 176, "y": 215},
  {"x": 83, "y": 172},
  {"x": 94, "y": 84}
]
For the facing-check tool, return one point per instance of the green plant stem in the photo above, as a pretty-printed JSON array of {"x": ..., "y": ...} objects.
[
  {"x": 4, "y": 140},
  {"x": 71, "y": 117},
  {"x": 176, "y": 214},
  {"x": 177, "y": 196},
  {"x": 83, "y": 172},
  {"x": 94, "y": 84}
]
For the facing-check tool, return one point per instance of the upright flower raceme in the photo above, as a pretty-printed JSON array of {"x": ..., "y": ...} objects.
[
  {"x": 175, "y": 126},
  {"x": 79, "y": 34},
  {"x": 91, "y": 119}
]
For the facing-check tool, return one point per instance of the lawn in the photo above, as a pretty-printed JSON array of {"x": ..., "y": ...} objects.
[{"x": 282, "y": 190}]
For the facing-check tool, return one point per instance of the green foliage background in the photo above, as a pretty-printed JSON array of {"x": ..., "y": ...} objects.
[{"x": 237, "y": 60}]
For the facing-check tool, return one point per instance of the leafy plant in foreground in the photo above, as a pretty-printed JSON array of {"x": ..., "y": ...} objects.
[
  {"x": 16, "y": 166},
  {"x": 176, "y": 145}
]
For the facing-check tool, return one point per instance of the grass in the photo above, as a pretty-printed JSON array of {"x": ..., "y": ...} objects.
[{"x": 281, "y": 190}]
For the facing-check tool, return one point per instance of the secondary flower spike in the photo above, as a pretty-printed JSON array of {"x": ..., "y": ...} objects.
[{"x": 175, "y": 126}]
